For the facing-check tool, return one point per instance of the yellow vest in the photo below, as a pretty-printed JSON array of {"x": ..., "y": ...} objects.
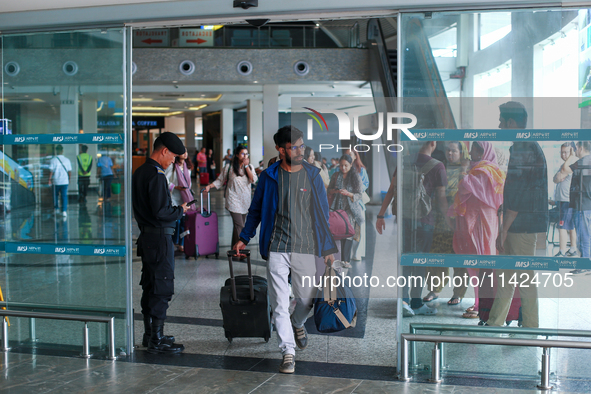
[{"x": 84, "y": 164}]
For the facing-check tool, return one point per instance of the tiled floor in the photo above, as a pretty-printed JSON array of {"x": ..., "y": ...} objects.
[
  {"x": 362, "y": 359},
  {"x": 24, "y": 373}
]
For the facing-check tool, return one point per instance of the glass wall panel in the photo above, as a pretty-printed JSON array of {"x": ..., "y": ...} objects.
[
  {"x": 63, "y": 229},
  {"x": 508, "y": 124}
]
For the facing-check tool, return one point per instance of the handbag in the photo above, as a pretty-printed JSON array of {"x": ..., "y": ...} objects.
[
  {"x": 340, "y": 227},
  {"x": 365, "y": 198},
  {"x": 334, "y": 307}
]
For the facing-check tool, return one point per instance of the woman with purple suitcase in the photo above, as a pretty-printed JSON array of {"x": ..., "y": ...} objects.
[
  {"x": 179, "y": 184},
  {"x": 238, "y": 177}
]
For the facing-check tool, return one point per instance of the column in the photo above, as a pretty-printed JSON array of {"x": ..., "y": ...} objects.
[
  {"x": 227, "y": 134},
  {"x": 89, "y": 125},
  {"x": 69, "y": 125},
  {"x": 254, "y": 131},
  {"x": 69, "y": 109},
  {"x": 190, "y": 133},
  {"x": 270, "y": 119}
]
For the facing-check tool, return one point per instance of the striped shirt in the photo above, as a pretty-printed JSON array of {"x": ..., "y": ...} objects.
[{"x": 292, "y": 229}]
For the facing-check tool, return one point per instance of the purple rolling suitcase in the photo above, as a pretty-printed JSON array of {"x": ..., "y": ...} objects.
[{"x": 203, "y": 237}]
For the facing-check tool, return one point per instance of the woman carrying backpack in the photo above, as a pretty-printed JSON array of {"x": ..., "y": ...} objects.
[{"x": 238, "y": 177}]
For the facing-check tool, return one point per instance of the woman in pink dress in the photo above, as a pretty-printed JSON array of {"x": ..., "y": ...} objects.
[{"x": 479, "y": 196}]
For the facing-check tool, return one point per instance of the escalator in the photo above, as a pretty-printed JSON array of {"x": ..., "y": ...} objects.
[{"x": 423, "y": 93}]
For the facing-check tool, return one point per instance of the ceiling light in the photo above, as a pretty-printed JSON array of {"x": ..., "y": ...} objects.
[
  {"x": 198, "y": 107},
  {"x": 175, "y": 81},
  {"x": 141, "y": 99},
  {"x": 157, "y": 113},
  {"x": 150, "y": 108},
  {"x": 216, "y": 98}
]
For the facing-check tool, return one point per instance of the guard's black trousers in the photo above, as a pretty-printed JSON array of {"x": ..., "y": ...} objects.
[{"x": 157, "y": 253}]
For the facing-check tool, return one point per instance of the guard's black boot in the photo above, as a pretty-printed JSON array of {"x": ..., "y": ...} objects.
[
  {"x": 157, "y": 343},
  {"x": 148, "y": 332}
]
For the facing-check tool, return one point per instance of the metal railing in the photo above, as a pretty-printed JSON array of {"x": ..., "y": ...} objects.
[
  {"x": 546, "y": 345},
  {"x": 110, "y": 321},
  {"x": 547, "y": 332}
]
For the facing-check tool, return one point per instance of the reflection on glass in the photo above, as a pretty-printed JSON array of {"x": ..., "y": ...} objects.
[{"x": 63, "y": 98}]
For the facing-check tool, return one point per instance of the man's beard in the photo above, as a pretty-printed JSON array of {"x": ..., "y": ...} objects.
[{"x": 296, "y": 160}]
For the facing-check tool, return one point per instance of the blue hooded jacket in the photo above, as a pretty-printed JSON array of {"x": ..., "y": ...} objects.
[{"x": 264, "y": 207}]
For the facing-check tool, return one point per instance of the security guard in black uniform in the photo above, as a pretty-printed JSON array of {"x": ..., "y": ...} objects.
[{"x": 156, "y": 217}]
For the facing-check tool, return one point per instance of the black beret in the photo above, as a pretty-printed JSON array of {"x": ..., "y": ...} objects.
[{"x": 172, "y": 142}]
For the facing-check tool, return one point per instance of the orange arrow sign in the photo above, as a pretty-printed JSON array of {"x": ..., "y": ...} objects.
[
  {"x": 149, "y": 41},
  {"x": 198, "y": 41}
]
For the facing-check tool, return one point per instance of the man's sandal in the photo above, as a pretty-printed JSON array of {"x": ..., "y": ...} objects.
[{"x": 454, "y": 301}]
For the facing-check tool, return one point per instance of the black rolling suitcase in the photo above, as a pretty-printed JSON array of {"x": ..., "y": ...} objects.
[{"x": 245, "y": 304}]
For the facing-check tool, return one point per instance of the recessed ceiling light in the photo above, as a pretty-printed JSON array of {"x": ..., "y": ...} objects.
[
  {"x": 150, "y": 108},
  {"x": 197, "y": 108},
  {"x": 175, "y": 81},
  {"x": 216, "y": 98}
]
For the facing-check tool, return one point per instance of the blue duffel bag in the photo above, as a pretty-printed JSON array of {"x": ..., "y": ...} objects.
[{"x": 334, "y": 307}]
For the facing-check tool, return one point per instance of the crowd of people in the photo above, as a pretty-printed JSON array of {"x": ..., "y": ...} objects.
[
  {"x": 458, "y": 199},
  {"x": 481, "y": 209}
]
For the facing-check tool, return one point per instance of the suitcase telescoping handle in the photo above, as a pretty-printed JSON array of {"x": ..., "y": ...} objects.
[
  {"x": 208, "y": 204},
  {"x": 232, "y": 253}
]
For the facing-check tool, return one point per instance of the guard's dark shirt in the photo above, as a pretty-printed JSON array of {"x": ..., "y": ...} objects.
[
  {"x": 526, "y": 188},
  {"x": 152, "y": 205}
]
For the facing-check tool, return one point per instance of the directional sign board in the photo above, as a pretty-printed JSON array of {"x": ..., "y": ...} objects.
[
  {"x": 195, "y": 38},
  {"x": 151, "y": 38}
]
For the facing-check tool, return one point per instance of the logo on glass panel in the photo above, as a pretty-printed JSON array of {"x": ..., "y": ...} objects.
[
  {"x": 521, "y": 264},
  {"x": 99, "y": 251}
]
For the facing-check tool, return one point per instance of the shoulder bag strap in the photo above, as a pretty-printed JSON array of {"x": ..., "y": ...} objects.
[
  {"x": 227, "y": 180},
  {"x": 58, "y": 159},
  {"x": 429, "y": 166}
]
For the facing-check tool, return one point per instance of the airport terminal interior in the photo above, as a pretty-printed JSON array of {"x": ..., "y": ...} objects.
[{"x": 69, "y": 269}]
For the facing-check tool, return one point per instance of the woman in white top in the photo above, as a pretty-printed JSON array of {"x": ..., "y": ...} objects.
[
  {"x": 178, "y": 175},
  {"x": 310, "y": 157},
  {"x": 239, "y": 175}
]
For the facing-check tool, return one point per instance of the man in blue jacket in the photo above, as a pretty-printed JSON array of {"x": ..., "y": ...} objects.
[{"x": 291, "y": 205}]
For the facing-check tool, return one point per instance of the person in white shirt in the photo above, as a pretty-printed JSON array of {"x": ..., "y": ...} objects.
[
  {"x": 60, "y": 170},
  {"x": 178, "y": 175},
  {"x": 239, "y": 175}
]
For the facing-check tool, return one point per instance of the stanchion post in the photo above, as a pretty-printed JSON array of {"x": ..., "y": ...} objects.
[
  {"x": 403, "y": 375},
  {"x": 85, "y": 347},
  {"x": 436, "y": 366},
  {"x": 5, "y": 347},
  {"x": 545, "y": 379},
  {"x": 112, "y": 339},
  {"x": 32, "y": 330}
]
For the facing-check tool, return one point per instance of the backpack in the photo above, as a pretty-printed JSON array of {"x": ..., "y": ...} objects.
[{"x": 417, "y": 202}]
